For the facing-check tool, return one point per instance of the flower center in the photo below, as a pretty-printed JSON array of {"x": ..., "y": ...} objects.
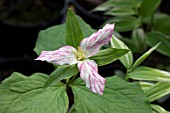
[{"x": 79, "y": 54}]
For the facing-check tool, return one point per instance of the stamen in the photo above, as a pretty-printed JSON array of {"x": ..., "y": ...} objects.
[{"x": 79, "y": 54}]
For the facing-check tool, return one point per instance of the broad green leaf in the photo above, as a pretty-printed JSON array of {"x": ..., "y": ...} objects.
[
  {"x": 109, "y": 55},
  {"x": 73, "y": 31},
  {"x": 50, "y": 39},
  {"x": 144, "y": 56},
  {"x": 158, "y": 90},
  {"x": 151, "y": 74},
  {"x": 145, "y": 85},
  {"x": 22, "y": 94},
  {"x": 148, "y": 7},
  {"x": 127, "y": 59},
  {"x": 53, "y": 37},
  {"x": 118, "y": 97},
  {"x": 139, "y": 39},
  {"x": 61, "y": 73},
  {"x": 127, "y": 23},
  {"x": 121, "y": 12},
  {"x": 155, "y": 37},
  {"x": 158, "y": 109}
]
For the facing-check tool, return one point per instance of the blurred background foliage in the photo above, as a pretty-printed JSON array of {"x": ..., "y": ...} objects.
[{"x": 141, "y": 24}]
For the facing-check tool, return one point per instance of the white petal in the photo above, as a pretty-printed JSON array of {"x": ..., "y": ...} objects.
[
  {"x": 64, "y": 55},
  {"x": 89, "y": 74},
  {"x": 91, "y": 45}
]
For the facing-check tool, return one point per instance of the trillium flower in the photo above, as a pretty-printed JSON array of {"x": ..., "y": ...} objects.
[{"x": 88, "y": 47}]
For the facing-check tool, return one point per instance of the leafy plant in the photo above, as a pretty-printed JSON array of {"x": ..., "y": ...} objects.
[
  {"x": 63, "y": 91},
  {"x": 141, "y": 21},
  {"x": 154, "y": 82}
]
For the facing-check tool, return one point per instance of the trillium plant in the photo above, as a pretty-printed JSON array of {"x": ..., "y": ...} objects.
[
  {"x": 77, "y": 53},
  {"x": 88, "y": 47}
]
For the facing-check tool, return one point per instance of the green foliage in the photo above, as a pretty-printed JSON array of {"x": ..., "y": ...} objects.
[
  {"x": 151, "y": 74},
  {"x": 62, "y": 72},
  {"x": 162, "y": 24},
  {"x": 145, "y": 85},
  {"x": 127, "y": 59},
  {"x": 107, "y": 56},
  {"x": 50, "y": 39},
  {"x": 158, "y": 90},
  {"x": 144, "y": 56},
  {"x": 21, "y": 94},
  {"x": 53, "y": 37},
  {"x": 121, "y": 12},
  {"x": 139, "y": 40},
  {"x": 155, "y": 37},
  {"x": 148, "y": 7},
  {"x": 138, "y": 17},
  {"x": 119, "y": 97},
  {"x": 73, "y": 31},
  {"x": 125, "y": 24},
  {"x": 158, "y": 109}
]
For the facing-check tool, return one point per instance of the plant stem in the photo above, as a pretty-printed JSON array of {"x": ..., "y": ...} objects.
[
  {"x": 126, "y": 77},
  {"x": 73, "y": 78}
]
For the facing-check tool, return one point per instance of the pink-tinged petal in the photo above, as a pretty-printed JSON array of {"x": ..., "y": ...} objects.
[
  {"x": 91, "y": 45},
  {"x": 64, "y": 55},
  {"x": 89, "y": 74}
]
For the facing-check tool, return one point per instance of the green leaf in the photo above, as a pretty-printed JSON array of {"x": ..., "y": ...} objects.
[
  {"x": 145, "y": 85},
  {"x": 53, "y": 37},
  {"x": 151, "y": 74},
  {"x": 61, "y": 73},
  {"x": 103, "y": 7},
  {"x": 158, "y": 91},
  {"x": 144, "y": 56},
  {"x": 139, "y": 39},
  {"x": 155, "y": 37},
  {"x": 158, "y": 109},
  {"x": 162, "y": 24},
  {"x": 109, "y": 4},
  {"x": 121, "y": 12},
  {"x": 152, "y": 18},
  {"x": 127, "y": 23},
  {"x": 85, "y": 28},
  {"x": 72, "y": 109},
  {"x": 50, "y": 39},
  {"x": 73, "y": 31},
  {"x": 118, "y": 97},
  {"x": 109, "y": 55},
  {"x": 127, "y": 59},
  {"x": 148, "y": 7},
  {"x": 129, "y": 43},
  {"x": 22, "y": 94}
]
